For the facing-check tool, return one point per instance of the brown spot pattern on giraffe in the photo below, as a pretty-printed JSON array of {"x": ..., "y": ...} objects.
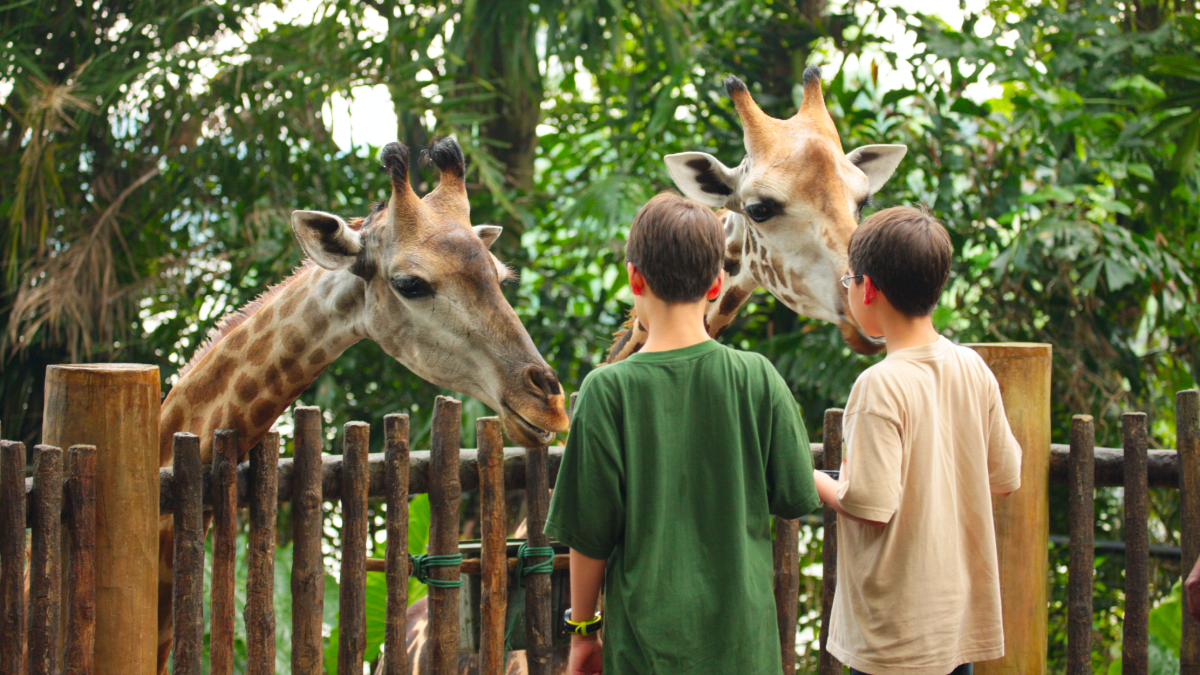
[
  {"x": 260, "y": 349},
  {"x": 264, "y": 317},
  {"x": 273, "y": 379},
  {"x": 219, "y": 372},
  {"x": 262, "y": 414},
  {"x": 246, "y": 387},
  {"x": 291, "y": 299},
  {"x": 237, "y": 339},
  {"x": 317, "y": 357},
  {"x": 317, "y": 325},
  {"x": 292, "y": 338},
  {"x": 732, "y": 300}
]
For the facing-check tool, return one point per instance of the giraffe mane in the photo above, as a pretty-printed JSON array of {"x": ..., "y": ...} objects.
[{"x": 239, "y": 316}]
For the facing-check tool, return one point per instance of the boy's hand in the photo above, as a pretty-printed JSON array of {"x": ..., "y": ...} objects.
[{"x": 586, "y": 654}]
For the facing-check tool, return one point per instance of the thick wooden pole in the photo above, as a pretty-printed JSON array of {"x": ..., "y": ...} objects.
[
  {"x": 445, "y": 495},
  {"x": 352, "y": 608},
  {"x": 539, "y": 624},
  {"x": 493, "y": 556},
  {"x": 1022, "y": 519},
  {"x": 81, "y": 585},
  {"x": 115, "y": 408},
  {"x": 308, "y": 569},
  {"x": 45, "y": 592},
  {"x": 12, "y": 558},
  {"x": 396, "y": 451},
  {"x": 1135, "y": 636},
  {"x": 786, "y": 554},
  {"x": 188, "y": 587},
  {"x": 1081, "y": 517},
  {"x": 832, "y": 451},
  {"x": 260, "y": 577},
  {"x": 1187, "y": 443}
]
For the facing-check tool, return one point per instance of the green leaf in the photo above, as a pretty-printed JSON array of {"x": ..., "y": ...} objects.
[{"x": 1118, "y": 274}]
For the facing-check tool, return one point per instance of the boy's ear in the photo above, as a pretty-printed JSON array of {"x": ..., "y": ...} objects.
[
  {"x": 714, "y": 291},
  {"x": 637, "y": 282},
  {"x": 879, "y": 162},
  {"x": 700, "y": 176},
  {"x": 327, "y": 239}
]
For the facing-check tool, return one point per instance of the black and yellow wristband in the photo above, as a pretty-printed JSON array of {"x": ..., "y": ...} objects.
[{"x": 585, "y": 628}]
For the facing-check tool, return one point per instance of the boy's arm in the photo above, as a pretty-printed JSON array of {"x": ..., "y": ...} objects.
[
  {"x": 587, "y": 575},
  {"x": 828, "y": 488},
  {"x": 1003, "y": 453},
  {"x": 790, "y": 492}
]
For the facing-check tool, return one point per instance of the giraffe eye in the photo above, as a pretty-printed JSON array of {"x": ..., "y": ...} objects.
[
  {"x": 763, "y": 210},
  {"x": 412, "y": 287}
]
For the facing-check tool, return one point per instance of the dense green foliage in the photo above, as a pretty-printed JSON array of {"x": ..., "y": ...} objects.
[{"x": 153, "y": 150}]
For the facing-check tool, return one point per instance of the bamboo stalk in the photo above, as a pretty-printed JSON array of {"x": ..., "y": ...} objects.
[
  {"x": 832, "y": 456},
  {"x": 45, "y": 601},
  {"x": 395, "y": 431},
  {"x": 260, "y": 576},
  {"x": 1081, "y": 516},
  {"x": 188, "y": 600},
  {"x": 445, "y": 494},
  {"x": 493, "y": 518},
  {"x": 1187, "y": 441},
  {"x": 786, "y": 554},
  {"x": 538, "y": 621},
  {"x": 12, "y": 557},
  {"x": 224, "y": 491},
  {"x": 1136, "y": 630},
  {"x": 352, "y": 639},
  {"x": 308, "y": 569},
  {"x": 78, "y": 655}
]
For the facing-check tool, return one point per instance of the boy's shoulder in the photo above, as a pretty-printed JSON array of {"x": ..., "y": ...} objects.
[{"x": 887, "y": 384}]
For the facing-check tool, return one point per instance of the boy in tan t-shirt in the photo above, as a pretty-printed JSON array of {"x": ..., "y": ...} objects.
[{"x": 926, "y": 446}]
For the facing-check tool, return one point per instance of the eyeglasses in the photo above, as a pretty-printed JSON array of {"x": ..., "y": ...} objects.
[{"x": 846, "y": 279}]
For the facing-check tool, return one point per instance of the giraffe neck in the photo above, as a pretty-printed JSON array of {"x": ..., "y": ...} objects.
[{"x": 253, "y": 372}]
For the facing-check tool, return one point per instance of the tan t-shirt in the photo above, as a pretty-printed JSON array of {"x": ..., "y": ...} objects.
[{"x": 926, "y": 443}]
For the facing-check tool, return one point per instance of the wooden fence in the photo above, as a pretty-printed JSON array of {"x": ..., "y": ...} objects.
[{"x": 444, "y": 472}]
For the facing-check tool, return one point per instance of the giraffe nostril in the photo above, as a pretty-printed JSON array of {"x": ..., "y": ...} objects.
[{"x": 543, "y": 380}]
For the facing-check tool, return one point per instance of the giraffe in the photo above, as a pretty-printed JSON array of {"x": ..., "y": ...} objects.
[
  {"x": 788, "y": 209},
  {"x": 413, "y": 276}
]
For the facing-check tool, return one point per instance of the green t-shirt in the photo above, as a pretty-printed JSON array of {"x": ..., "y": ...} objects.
[{"x": 674, "y": 462}]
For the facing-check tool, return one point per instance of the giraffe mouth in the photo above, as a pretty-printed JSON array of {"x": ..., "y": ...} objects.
[{"x": 534, "y": 432}]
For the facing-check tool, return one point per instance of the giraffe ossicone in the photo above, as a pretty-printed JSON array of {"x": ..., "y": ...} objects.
[{"x": 415, "y": 277}]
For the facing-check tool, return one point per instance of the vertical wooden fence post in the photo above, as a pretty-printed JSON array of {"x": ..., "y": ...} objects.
[
  {"x": 45, "y": 574},
  {"x": 832, "y": 453},
  {"x": 445, "y": 495},
  {"x": 188, "y": 587},
  {"x": 1187, "y": 443},
  {"x": 786, "y": 554},
  {"x": 538, "y": 622},
  {"x": 352, "y": 619},
  {"x": 308, "y": 568},
  {"x": 1135, "y": 635},
  {"x": 12, "y": 557},
  {"x": 115, "y": 407},
  {"x": 1022, "y": 519},
  {"x": 81, "y": 589},
  {"x": 1081, "y": 516},
  {"x": 494, "y": 550},
  {"x": 260, "y": 576},
  {"x": 224, "y": 498},
  {"x": 396, "y": 453}
]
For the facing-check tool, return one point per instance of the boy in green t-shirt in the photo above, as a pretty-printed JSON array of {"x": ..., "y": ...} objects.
[{"x": 676, "y": 459}]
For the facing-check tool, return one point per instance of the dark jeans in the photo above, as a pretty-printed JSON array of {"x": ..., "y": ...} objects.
[{"x": 964, "y": 669}]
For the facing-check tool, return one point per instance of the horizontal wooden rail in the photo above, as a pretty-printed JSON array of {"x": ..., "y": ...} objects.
[{"x": 1162, "y": 470}]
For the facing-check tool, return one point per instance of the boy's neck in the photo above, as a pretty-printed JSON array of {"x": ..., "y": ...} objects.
[
  {"x": 901, "y": 331},
  {"x": 671, "y": 325}
]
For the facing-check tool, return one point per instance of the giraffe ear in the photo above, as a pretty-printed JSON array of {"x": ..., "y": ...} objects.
[
  {"x": 879, "y": 162},
  {"x": 488, "y": 233},
  {"x": 327, "y": 239},
  {"x": 702, "y": 177}
]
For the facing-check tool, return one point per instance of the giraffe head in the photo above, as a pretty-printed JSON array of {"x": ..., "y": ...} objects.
[
  {"x": 796, "y": 199},
  {"x": 426, "y": 288}
]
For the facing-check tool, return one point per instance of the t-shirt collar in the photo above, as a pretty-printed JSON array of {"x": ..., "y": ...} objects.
[
  {"x": 675, "y": 354},
  {"x": 933, "y": 349}
]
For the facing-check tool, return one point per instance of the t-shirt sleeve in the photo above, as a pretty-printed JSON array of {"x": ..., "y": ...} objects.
[
  {"x": 872, "y": 455},
  {"x": 1004, "y": 453},
  {"x": 791, "y": 492},
  {"x": 587, "y": 510}
]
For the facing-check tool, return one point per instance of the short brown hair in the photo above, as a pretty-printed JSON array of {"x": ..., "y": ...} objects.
[
  {"x": 678, "y": 245},
  {"x": 906, "y": 252}
]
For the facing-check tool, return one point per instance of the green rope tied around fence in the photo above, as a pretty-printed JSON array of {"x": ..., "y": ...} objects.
[
  {"x": 421, "y": 564},
  {"x": 523, "y": 570},
  {"x": 527, "y": 551}
]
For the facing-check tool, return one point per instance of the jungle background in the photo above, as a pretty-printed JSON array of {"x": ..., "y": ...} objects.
[{"x": 151, "y": 152}]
